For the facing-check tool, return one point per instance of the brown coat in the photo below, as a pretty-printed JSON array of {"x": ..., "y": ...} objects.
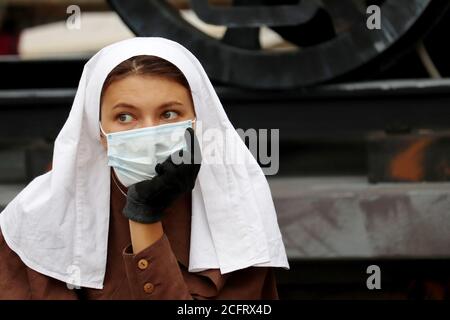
[{"x": 158, "y": 272}]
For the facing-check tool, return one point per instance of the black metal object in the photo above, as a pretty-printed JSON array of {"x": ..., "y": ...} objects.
[
  {"x": 346, "y": 279},
  {"x": 330, "y": 112},
  {"x": 352, "y": 47},
  {"x": 323, "y": 130},
  {"x": 254, "y": 16},
  {"x": 34, "y": 113},
  {"x": 38, "y": 158},
  {"x": 40, "y": 73}
]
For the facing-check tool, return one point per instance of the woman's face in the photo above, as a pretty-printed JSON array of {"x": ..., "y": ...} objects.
[{"x": 139, "y": 101}]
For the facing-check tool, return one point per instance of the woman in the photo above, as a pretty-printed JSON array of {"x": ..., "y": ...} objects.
[{"x": 136, "y": 205}]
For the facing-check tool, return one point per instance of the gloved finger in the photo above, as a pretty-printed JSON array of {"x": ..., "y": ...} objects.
[
  {"x": 175, "y": 158},
  {"x": 170, "y": 162},
  {"x": 140, "y": 191},
  {"x": 193, "y": 146},
  {"x": 159, "y": 168}
]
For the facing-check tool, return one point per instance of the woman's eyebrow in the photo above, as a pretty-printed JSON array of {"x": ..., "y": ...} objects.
[
  {"x": 124, "y": 105},
  {"x": 161, "y": 106},
  {"x": 169, "y": 103}
]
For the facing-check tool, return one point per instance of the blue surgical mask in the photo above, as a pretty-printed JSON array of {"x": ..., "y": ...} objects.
[{"x": 133, "y": 154}]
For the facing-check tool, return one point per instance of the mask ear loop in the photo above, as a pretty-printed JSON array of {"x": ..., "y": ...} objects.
[{"x": 101, "y": 129}]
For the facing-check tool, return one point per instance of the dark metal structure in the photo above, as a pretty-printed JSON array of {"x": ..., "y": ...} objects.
[
  {"x": 332, "y": 37},
  {"x": 335, "y": 112}
]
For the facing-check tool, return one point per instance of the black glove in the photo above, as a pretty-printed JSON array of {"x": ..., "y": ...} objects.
[{"x": 147, "y": 200}]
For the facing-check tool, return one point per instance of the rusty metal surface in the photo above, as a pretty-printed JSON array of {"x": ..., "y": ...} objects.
[
  {"x": 346, "y": 217},
  {"x": 411, "y": 156}
]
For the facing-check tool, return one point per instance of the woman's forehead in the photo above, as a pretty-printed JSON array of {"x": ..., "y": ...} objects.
[{"x": 150, "y": 88}]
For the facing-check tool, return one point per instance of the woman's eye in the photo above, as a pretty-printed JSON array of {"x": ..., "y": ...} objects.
[
  {"x": 125, "y": 118},
  {"x": 169, "y": 115}
]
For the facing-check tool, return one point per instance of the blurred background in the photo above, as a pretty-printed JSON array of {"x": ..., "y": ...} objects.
[{"x": 359, "y": 90}]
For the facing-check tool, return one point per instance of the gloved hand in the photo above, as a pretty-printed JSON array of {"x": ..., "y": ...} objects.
[{"x": 147, "y": 200}]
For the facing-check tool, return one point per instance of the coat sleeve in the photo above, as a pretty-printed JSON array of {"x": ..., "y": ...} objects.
[
  {"x": 13, "y": 274},
  {"x": 155, "y": 274},
  {"x": 19, "y": 282}
]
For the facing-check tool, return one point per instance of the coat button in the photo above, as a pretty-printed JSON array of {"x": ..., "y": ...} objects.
[
  {"x": 142, "y": 264},
  {"x": 149, "y": 287}
]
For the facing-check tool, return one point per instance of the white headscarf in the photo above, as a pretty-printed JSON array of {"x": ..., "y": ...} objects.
[{"x": 59, "y": 222}]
